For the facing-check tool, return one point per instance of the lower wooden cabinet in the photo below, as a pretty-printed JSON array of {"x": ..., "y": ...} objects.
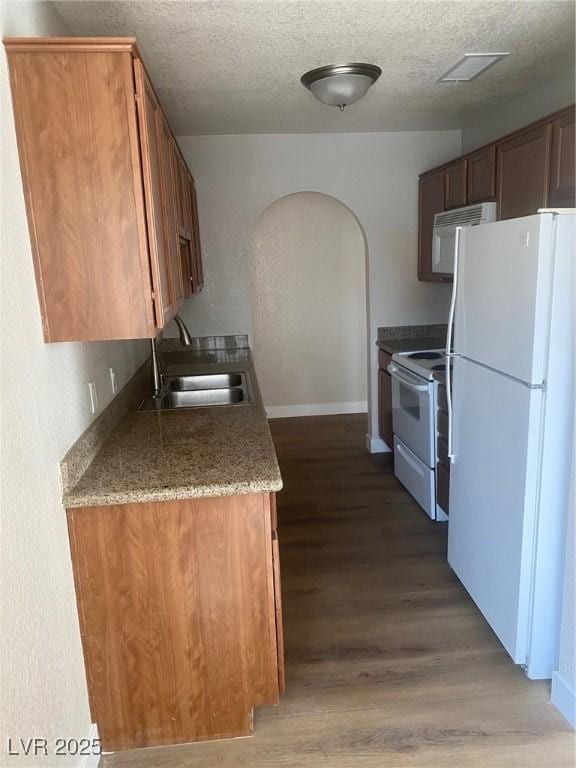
[
  {"x": 385, "y": 399},
  {"x": 180, "y": 616},
  {"x": 443, "y": 462},
  {"x": 443, "y": 487}
]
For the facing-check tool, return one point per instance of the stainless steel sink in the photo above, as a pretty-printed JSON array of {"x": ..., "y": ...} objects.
[
  {"x": 195, "y": 397},
  {"x": 206, "y": 381},
  {"x": 201, "y": 391}
]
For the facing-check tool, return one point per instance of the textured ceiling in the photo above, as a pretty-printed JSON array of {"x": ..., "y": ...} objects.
[{"x": 233, "y": 66}]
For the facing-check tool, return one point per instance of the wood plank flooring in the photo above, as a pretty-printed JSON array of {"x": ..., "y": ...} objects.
[{"x": 389, "y": 663}]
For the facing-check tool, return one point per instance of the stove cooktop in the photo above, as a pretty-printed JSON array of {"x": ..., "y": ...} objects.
[{"x": 425, "y": 363}]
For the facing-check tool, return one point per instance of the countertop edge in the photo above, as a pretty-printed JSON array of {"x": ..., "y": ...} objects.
[{"x": 173, "y": 493}]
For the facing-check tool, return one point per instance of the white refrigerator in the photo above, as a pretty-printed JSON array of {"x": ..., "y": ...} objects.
[{"x": 511, "y": 398}]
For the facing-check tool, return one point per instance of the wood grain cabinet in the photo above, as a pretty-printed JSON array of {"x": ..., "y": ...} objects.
[
  {"x": 101, "y": 194},
  {"x": 529, "y": 169},
  {"x": 563, "y": 162},
  {"x": 455, "y": 177},
  {"x": 523, "y": 172},
  {"x": 481, "y": 175},
  {"x": 431, "y": 201},
  {"x": 188, "y": 228},
  {"x": 180, "y": 617},
  {"x": 385, "y": 399}
]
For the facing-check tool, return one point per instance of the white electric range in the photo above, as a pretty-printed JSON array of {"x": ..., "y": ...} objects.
[{"x": 414, "y": 409}]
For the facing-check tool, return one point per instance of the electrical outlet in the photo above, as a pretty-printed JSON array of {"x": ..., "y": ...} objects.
[
  {"x": 93, "y": 396},
  {"x": 113, "y": 382}
]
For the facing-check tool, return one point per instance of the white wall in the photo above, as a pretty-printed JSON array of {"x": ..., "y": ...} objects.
[
  {"x": 307, "y": 283},
  {"x": 44, "y": 407},
  {"x": 491, "y": 122},
  {"x": 374, "y": 174}
]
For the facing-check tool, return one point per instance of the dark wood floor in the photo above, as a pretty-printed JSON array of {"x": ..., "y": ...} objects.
[{"x": 389, "y": 663}]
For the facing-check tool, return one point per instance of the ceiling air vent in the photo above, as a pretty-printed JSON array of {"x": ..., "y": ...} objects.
[{"x": 471, "y": 66}]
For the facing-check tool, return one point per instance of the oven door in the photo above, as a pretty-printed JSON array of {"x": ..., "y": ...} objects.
[{"x": 413, "y": 412}]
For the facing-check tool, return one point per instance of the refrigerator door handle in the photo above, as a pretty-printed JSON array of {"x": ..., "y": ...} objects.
[
  {"x": 454, "y": 288},
  {"x": 451, "y": 454}
]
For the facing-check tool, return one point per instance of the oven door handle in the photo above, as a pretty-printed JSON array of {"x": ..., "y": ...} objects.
[{"x": 394, "y": 371}]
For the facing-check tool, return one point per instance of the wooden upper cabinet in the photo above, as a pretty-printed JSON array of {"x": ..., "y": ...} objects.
[
  {"x": 184, "y": 220},
  {"x": 187, "y": 216},
  {"x": 523, "y": 172},
  {"x": 101, "y": 194},
  {"x": 563, "y": 161},
  {"x": 198, "y": 266},
  {"x": 149, "y": 115},
  {"x": 455, "y": 184},
  {"x": 431, "y": 198},
  {"x": 482, "y": 175},
  {"x": 170, "y": 206},
  {"x": 78, "y": 145}
]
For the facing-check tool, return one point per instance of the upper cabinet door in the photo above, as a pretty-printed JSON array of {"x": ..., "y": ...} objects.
[
  {"x": 198, "y": 266},
  {"x": 523, "y": 173},
  {"x": 455, "y": 181},
  {"x": 482, "y": 175},
  {"x": 431, "y": 194},
  {"x": 160, "y": 263},
  {"x": 562, "y": 192},
  {"x": 78, "y": 145},
  {"x": 170, "y": 206}
]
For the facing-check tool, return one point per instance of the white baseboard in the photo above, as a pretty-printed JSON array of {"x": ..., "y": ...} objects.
[
  {"x": 315, "y": 409},
  {"x": 90, "y": 761},
  {"x": 564, "y": 698},
  {"x": 377, "y": 445}
]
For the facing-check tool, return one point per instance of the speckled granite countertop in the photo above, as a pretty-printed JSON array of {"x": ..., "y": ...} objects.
[
  {"x": 186, "y": 453},
  {"x": 411, "y": 338},
  {"x": 411, "y": 345}
]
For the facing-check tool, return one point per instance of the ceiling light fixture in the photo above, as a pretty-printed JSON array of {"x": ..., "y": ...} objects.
[
  {"x": 471, "y": 66},
  {"x": 339, "y": 85}
]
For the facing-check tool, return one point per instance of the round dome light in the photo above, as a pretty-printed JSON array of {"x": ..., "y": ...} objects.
[{"x": 339, "y": 85}]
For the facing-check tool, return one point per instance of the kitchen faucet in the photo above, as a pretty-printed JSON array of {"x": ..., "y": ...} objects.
[{"x": 185, "y": 340}]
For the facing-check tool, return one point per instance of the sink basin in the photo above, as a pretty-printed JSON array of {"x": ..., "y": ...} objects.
[
  {"x": 194, "y": 397},
  {"x": 201, "y": 390},
  {"x": 207, "y": 381}
]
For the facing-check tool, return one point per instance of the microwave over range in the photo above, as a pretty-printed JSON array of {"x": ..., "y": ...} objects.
[{"x": 444, "y": 232}]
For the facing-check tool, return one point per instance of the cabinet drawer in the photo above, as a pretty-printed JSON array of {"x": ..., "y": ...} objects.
[
  {"x": 442, "y": 424},
  {"x": 443, "y": 487},
  {"x": 384, "y": 359}
]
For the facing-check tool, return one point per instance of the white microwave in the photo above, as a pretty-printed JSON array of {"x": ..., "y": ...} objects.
[{"x": 444, "y": 232}]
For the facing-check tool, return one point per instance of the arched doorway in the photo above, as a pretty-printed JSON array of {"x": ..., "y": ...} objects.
[{"x": 307, "y": 281}]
